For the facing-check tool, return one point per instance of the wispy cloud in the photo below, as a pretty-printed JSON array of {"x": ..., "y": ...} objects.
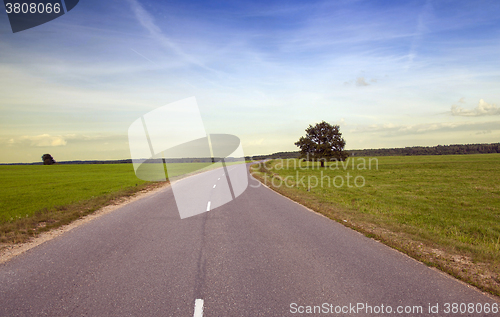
[
  {"x": 422, "y": 23},
  {"x": 482, "y": 109},
  {"x": 148, "y": 22},
  {"x": 360, "y": 81},
  {"x": 390, "y": 129},
  {"x": 42, "y": 140},
  {"x": 56, "y": 140},
  {"x": 144, "y": 57}
]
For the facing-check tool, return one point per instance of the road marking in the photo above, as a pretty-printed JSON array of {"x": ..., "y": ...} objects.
[
  {"x": 208, "y": 206},
  {"x": 218, "y": 179},
  {"x": 215, "y": 185},
  {"x": 198, "y": 308}
]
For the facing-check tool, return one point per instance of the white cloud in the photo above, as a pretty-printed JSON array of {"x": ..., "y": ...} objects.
[
  {"x": 41, "y": 140},
  {"x": 256, "y": 142},
  {"x": 360, "y": 81},
  {"x": 484, "y": 132},
  {"x": 389, "y": 129},
  {"x": 44, "y": 140},
  {"x": 482, "y": 109}
]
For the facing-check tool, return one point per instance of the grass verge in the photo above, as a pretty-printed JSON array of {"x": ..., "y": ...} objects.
[
  {"x": 22, "y": 229},
  {"x": 441, "y": 210}
]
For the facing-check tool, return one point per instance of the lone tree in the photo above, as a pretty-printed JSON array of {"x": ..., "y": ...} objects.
[
  {"x": 48, "y": 159},
  {"x": 322, "y": 142}
]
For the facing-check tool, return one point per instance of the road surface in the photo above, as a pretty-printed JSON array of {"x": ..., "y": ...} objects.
[{"x": 258, "y": 255}]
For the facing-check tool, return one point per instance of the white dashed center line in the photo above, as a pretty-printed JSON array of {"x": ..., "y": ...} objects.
[
  {"x": 198, "y": 307},
  {"x": 208, "y": 206},
  {"x": 215, "y": 185}
]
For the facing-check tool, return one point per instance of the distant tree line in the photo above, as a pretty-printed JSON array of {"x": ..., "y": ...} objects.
[
  {"x": 431, "y": 150},
  {"x": 277, "y": 155},
  {"x": 129, "y": 161},
  {"x": 414, "y": 150}
]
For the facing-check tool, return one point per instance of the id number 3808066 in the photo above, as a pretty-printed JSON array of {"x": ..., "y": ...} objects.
[{"x": 32, "y": 8}]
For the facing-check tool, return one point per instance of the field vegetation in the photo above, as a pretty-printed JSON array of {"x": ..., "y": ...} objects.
[
  {"x": 442, "y": 210},
  {"x": 36, "y": 198}
]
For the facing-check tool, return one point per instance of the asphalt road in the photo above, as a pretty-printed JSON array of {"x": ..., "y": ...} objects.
[{"x": 257, "y": 255}]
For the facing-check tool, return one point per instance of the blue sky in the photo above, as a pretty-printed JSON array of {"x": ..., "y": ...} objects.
[{"x": 390, "y": 73}]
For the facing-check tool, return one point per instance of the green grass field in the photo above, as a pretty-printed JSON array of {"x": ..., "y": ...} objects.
[
  {"x": 29, "y": 188},
  {"x": 450, "y": 203}
]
